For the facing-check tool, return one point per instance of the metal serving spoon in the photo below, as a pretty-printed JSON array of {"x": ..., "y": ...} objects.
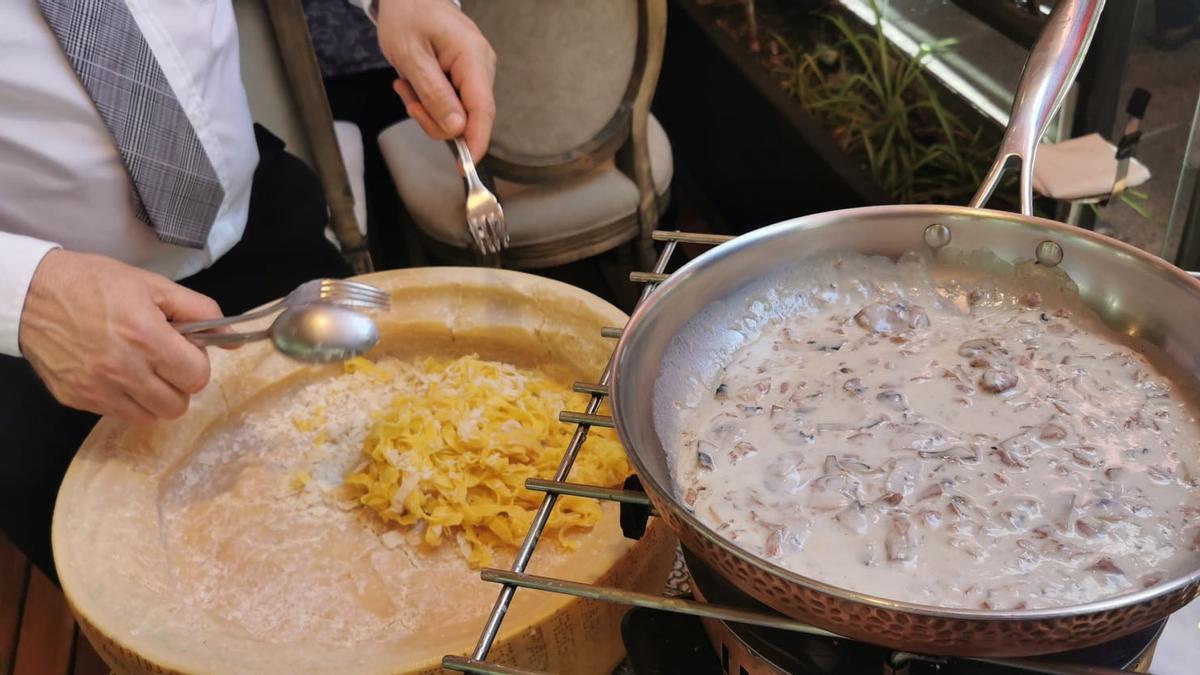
[{"x": 313, "y": 333}]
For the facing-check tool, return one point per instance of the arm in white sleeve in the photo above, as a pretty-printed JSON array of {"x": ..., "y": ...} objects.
[{"x": 19, "y": 259}]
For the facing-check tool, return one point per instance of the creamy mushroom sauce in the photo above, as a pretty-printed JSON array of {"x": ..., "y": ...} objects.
[{"x": 947, "y": 443}]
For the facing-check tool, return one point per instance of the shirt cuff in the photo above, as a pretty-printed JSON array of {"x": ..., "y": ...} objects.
[
  {"x": 369, "y": 6},
  {"x": 19, "y": 259}
]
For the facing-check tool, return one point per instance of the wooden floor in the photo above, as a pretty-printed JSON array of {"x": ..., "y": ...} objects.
[{"x": 37, "y": 634}]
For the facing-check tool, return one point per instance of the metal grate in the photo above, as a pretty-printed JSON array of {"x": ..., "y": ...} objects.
[{"x": 515, "y": 577}]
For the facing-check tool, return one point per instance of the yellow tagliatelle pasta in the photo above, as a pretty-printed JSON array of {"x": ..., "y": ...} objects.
[{"x": 452, "y": 456}]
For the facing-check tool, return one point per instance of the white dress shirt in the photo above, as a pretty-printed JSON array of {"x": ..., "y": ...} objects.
[{"x": 62, "y": 181}]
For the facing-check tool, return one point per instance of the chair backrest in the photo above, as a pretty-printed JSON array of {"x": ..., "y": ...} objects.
[
  {"x": 566, "y": 76},
  {"x": 287, "y": 95},
  {"x": 270, "y": 93}
]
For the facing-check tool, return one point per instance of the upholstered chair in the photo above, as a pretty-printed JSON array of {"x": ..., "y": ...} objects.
[{"x": 580, "y": 165}]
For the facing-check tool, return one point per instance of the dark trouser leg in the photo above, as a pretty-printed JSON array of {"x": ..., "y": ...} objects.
[
  {"x": 367, "y": 100},
  {"x": 1173, "y": 14},
  {"x": 284, "y": 245},
  {"x": 38, "y": 438}
]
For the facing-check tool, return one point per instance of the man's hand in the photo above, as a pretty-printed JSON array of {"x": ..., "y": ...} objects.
[
  {"x": 427, "y": 39},
  {"x": 96, "y": 331}
]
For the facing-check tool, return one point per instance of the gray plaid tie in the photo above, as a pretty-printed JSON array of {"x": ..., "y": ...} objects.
[{"x": 174, "y": 182}]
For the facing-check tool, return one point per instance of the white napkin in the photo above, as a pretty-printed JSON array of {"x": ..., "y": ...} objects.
[{"x": 1081, "y": 168}]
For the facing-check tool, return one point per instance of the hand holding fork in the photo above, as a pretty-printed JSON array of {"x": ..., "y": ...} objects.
[
  {"x": 485, "y": 218},
  {"x": 337, "y": 292}
]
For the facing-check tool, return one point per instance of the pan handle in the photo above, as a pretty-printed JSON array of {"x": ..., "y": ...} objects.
[{"x": 1048, "y": 73}]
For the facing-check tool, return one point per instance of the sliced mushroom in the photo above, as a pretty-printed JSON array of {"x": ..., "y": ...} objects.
[
  {"x": 834, "y": 491},
  {"x": 852, "y": 426},
  {"x": 930, "y": 518},
  {"x": 1052, "y": 431},
  {"x": 794, "y": 431},
  {"x": 1008, "y": 458},
  {"x": 704, "y": 456},
  {"x": 1087, "y": 457},
  {"x": 890, "y": 499},
  {"x": 853, "y": 518},
  {"x": 921, "y": 436},
  {"x": 902, "y": 475},
  {"x": 741, "y": 450},
  {"x": 1160, "y": 475},
  {"x": 1090, "y": 527},
  {"x": 788, "y": 474},
  {"x": 997, "y": 381},
  {"x": 892, "y": 399},
  {"x": 901, "y": 539},
  {"x": 1107, "y": 566},
  {"x": 976, "y": 348},
  {"x": 892, "y": 317},
  {"x": 934, "y": 490},
  {"x": 774, "y": 546},
  {"x": 1153, "y": 578},
  {"x": 957, "y": 452},
  {"x": 755, "y": 391},
  {"x": 1067, "y": 520}
]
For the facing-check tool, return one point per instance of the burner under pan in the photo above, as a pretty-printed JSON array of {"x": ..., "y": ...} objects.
[{"x": 660, "y": 643}]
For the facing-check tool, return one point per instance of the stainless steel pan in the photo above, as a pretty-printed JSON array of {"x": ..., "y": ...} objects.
[{"x": 668, "y": 347}]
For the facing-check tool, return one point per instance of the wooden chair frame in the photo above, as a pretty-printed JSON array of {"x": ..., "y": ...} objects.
[{"x": 294, "y": 48}]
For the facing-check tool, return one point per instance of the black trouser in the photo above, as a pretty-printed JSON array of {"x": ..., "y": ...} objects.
[
  {"x": 368, "y": 100},
  {"x": 1171, "y": 14},
  {"x": 284, "y": 245}
]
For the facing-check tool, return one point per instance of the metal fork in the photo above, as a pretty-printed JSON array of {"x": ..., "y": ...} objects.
[
  {"x": 485, "y": 218},
  {"x": 332, "y": 291}
]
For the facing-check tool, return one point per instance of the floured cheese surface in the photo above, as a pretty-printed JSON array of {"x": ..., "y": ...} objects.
[
  {"x": 969, "y": 444},
  {"x": 263, "y": 534}
]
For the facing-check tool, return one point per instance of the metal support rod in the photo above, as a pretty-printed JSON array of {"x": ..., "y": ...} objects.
[
  {"x": 651, "y": 601},
  {"x": 588, "y": 419},
  {"x": 492, "y": 627},
  {"x": 589, "y": 388},
  {"x": 462, "y": 665},
  {"x": 900, "y": 660},
  {"x": 691, "y": 237},
  {"x": 611, "y": 332},
  {"x": 647, "y": 277},
  {"x": 591, "y": 491}
]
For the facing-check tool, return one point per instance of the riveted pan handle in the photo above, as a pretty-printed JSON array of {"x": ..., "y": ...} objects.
[{"x": 1052, "y": 66}]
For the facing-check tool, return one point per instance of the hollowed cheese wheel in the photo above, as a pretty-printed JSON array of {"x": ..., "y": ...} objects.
[{"x": 140, "y": 601}]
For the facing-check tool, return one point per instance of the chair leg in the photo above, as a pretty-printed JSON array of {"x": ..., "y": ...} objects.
[{"x": 647, "y": 256}]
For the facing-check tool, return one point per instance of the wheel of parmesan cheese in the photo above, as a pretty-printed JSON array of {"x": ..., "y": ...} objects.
[{"x": 181, "y": 549}]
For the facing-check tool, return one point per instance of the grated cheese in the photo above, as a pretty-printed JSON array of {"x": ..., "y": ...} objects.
[{"x": 451, "y": 457}]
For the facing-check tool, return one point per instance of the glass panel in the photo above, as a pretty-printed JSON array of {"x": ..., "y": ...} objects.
[
  {"x": 983, "y": 67},
  {"x": 1173, "y": 79}
]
